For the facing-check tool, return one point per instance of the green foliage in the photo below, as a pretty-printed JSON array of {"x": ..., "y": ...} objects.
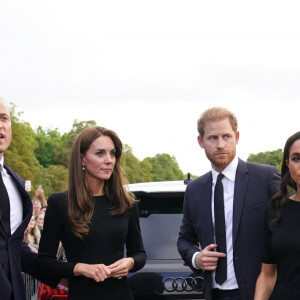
[
  {"x": 20, "y": 155},
  {"x": 164, "y": 167},
  {"x": 159, "y": 168},
  {"x": 42, "y": 157},
  {"x": 48, "y": 140},
  {"x": 53, "y": 179},
  {"x": 63, "y": 149},
  {"x": 192, "y": 176},
  {"x": 273, "y": 158},
  {"x": 135, "y": 170},
  {"x": 62, "y": 152}
]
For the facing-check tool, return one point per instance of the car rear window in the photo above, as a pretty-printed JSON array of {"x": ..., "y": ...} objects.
[{"x": 160, "y": 218}]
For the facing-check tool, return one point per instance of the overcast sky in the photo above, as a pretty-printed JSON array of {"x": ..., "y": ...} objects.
[{"x": 148, "y": 69}]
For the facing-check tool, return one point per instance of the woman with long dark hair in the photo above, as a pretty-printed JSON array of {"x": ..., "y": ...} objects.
[
  {"x": 95, "y": 219},
  {"x": 280, "y": 274}
]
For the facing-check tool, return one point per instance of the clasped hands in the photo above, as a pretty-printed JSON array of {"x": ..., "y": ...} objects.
[
  {"x": 207, "y": 259},
  {"x": 100, "y": 272}
]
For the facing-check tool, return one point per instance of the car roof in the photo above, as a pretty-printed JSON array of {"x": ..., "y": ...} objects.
[{"x": 158, "y": 187}]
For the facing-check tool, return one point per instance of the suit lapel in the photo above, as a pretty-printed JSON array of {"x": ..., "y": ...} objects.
[
  {"x": 241, "y": 182},
  {"x": 26, "y": 201},
  {"x": 2, "y": 232},
  {"x": 205, "y": 193}
]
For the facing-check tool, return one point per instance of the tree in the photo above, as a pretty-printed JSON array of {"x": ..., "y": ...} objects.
[
  {"x": 164, "y": 167},
  {"x": 20, "y": 155},
  {"x": 53, "y": 179},
  {"x": 62, "y": 151},
  {"x": 42, "y": 157},
  {"x": 48, "y": 140},
  {"x": 135, "y": 170},
  {"x": 273, "y": 158}
]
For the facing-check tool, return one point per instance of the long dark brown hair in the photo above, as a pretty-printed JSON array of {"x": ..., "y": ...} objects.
[
  {"x": 286, "y": 180},
  {"x": 80, "y": 202}
]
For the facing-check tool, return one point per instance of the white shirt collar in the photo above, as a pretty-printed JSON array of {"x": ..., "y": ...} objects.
[
  {"x": 15, "y": 199},
  {"x": 229, "y": 172}
]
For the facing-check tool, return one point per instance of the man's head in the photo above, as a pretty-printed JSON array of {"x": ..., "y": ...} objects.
[
  {"x": 218, "y": 136},
  {"x": 5, "y": 127}
]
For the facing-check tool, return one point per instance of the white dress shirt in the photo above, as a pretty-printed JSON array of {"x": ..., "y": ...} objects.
[
  {"x": 15, "y": 200},
  {"x": 228, "y": 185}
]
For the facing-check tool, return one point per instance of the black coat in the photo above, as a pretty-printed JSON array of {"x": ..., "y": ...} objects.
[
  {"x": 104, "y": 244},
  {"x": 14, "y": 255}
]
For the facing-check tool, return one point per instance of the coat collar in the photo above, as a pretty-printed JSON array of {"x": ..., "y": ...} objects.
[{"x": 27, "y": 204}]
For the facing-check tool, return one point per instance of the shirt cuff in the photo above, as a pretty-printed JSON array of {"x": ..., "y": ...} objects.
[{"x": 194, "y": 260}]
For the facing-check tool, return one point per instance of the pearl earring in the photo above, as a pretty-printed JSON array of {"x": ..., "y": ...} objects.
[{"x": 83, "y": 168}]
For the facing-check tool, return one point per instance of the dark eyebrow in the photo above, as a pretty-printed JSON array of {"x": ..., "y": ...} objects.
[
  {"x": 295, "y": 154},
  {"x": 114, "y": 149}
]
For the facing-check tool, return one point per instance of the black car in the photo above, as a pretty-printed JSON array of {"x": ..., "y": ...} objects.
[{"x": 165, "y": 275}]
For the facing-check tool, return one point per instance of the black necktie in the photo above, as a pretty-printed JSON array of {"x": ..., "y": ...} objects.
[
  {"x": 4, "y": 206},
  {"x": 220, "y": 230}
]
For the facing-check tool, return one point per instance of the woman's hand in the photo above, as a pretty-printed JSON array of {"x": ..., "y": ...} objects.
[
  {"x": 121, "y": 267},
  {"x": 27, "y": 230},
  {"x": 98, "y": 272}
]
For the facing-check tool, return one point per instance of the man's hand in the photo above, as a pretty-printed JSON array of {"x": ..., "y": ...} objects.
[{"x": 207, "y": 259}]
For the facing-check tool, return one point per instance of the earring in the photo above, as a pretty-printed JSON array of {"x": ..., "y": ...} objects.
[{"x": 83, "y": 168}]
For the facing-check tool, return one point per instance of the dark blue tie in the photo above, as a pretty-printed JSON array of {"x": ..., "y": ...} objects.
[
  {"x": 4, "y": 207},
  {"x": 220, "y": 230}
]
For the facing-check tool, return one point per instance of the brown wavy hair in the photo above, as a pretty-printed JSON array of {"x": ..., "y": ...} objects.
[
  {"x": 80, "y": 202},
  {"x": 286, "y": 180}
]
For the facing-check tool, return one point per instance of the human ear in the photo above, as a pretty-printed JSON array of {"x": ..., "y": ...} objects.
[
  {"x": 200, "y": 141},
  {"x": 82, "y": 159},
  {"x": 237, "y": 137}
]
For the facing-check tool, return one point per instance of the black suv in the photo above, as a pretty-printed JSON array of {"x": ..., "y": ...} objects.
[{"x": 165, "y": 276}]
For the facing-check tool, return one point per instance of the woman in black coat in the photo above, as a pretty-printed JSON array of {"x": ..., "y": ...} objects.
[{"x": 95, "y": 219}]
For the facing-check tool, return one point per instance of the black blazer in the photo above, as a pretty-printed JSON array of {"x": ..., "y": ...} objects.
[
  {"x": 254, "y": 186},
  {"x": 15, "y": 257}
]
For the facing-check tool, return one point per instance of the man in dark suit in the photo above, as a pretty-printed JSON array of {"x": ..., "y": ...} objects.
[
  {"x": 15, "y": 213},
  {"x": 227, "y": 245}
]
